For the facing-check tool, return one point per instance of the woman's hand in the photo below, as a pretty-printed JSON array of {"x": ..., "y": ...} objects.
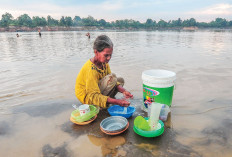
[
  {"x": 127, "y": 94},
  {"x": 119, "y": 102},
  {"x": 123, "y": 103}
]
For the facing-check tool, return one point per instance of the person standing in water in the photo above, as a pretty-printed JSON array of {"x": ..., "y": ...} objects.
[
  {"x": 39, "y": 33},
  {"x": 95, "y": 84},
  {"x": 88, "y": 35},
  {"x": 17, "y": 35}
]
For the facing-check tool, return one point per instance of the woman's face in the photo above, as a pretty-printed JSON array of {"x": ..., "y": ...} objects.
[{"x": 104, "y": 56}]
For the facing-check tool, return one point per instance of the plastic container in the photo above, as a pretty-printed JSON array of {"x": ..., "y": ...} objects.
[
  {"x": 113, "y": 124},
  {"x": 152, "y": 133},
  {"x": 83, "y": 123},
  {"x": 164, "y": 113},
  {"x": 141, "y": 123},
  {"x": 78, "y": 118},
  {"x": 115, "y": 133},
  {"x": 84, "y": 109},
  {"x": 158, "y": 87},
  {"x": 117, "y": 110},
  {"x": 154, "y": 115}
]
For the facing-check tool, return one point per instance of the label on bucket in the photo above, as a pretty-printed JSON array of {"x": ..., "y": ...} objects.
[{"x": 159, "y": 95}]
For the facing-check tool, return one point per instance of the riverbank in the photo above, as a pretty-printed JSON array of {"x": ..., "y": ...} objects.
[{"x": 95, "y": 28}]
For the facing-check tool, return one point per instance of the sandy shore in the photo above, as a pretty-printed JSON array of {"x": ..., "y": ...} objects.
[{"x": 45, "y": 130}]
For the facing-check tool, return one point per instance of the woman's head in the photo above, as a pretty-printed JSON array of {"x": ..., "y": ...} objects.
[
  {"x": 102, "y": 42},
  {"x": 103, "y": 49}
]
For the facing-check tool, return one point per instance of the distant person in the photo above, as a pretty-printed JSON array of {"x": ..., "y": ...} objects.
[
  {"x": 88, "y": 35},
  {"x": 39, "y": 33},
  {"x": 95, "y": 84},
  {"x": 17, "y": 35}
]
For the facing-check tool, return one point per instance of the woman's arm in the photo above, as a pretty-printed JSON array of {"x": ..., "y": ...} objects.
[
  {"x": 126, "y": 93},
  {"x": 119, "y": 102}
]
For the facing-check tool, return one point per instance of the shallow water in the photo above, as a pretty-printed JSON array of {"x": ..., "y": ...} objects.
[{"x": 37, "y": 77}]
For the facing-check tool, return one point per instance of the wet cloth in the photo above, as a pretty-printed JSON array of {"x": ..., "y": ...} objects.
[{"x": 87, "y": 84}]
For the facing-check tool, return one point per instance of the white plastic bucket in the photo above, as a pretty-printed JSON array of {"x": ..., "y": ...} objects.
[{"x": 158, "y": 87}]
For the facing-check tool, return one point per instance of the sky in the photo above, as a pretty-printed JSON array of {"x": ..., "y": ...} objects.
[{"x": 111, "y": 10}]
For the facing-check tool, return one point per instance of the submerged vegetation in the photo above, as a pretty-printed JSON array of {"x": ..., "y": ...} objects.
[{"x": 7, "y": 20}]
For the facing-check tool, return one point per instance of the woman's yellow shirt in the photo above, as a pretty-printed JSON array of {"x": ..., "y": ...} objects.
[{"x": 86, "y": 88}]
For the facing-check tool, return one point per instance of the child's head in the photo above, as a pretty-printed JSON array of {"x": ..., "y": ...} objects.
[{"x": 102, "y": 42}]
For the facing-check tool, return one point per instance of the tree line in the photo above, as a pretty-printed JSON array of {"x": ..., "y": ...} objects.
[{"x": 66, "y": 21}]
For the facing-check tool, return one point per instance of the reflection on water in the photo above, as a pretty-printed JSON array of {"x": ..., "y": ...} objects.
[
  {"x": 108, "y": 144},
  {"x": 37, "y": 77},
  {"x": 148, "y": 147}
]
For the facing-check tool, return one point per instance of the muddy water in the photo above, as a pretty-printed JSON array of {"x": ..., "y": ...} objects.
[{"x": 37, "y": 77}]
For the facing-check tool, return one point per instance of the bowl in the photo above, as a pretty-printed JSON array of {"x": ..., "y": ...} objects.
[
  {"x": 117, "y": 110},
  {"x": 86, "y": 117},
  {"x": 115, "y": 133},
  {"x": 113, "y": 124},
  {"x": 152, "y": 133},
  {"x": 83, "y": 123}
]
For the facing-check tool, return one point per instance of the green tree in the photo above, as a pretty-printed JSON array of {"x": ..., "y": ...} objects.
[
  {"x": 6, "y": 20},
  {"x": 89, "y": 21},
  {"x": 134, "y": 24},
  {"x": 162, "y": 23},
  {"x": 37, "y": 21},
  {"x": 51, "y": 21},
  {"x": 219, "y": 22},
  {"x": 62, "y": 21},
  {"x": 230, "y": 23},
  {"x": 154, "y": 23},
  {"x": 119, "y": 23},
  {"x": 102, "y": 22},
  {"x": 202, "y": 24},
  {"x": 149, "y": 23},
  {"x": 76, "y": 21},
  {"x": 189, "y": 22},
  {"x": 24, "y": 20},
  {"x": 192, "y": 22},
  {"x": 176, "y": 23},
  {"x": 68, "y": 21}
]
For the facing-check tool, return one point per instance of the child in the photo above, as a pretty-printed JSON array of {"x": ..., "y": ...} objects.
[{"x": 95, "y": 84}]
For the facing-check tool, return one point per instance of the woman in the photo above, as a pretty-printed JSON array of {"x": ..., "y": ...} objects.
[{"x": 95, "y": 83}]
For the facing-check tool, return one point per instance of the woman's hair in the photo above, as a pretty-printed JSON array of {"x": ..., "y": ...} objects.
[{"x": 102, "y": 42}]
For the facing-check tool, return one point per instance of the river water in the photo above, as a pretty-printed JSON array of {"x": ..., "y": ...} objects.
[{"x": 37, "y": 78}]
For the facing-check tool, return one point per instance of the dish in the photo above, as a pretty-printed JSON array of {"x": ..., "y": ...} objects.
[
  {"x": 115, "y": 133},
  {"x": 138, "y": 131},
  {"x": 117, "y": 110},
  {"x": 86, "y": 117},
  {"x": 152, "y": 133},
  {"x": 83, "y": 123},
  {"x": 113, "y": 124}
]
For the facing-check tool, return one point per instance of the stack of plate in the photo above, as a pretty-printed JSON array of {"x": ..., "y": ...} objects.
[
  {"x": 114, "y": 125},
  {"x": 86, "y": 118},
  {"x": 83, "y": 123}
]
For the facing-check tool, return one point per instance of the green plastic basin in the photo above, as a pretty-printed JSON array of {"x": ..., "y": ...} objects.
[{"x": 152, "y": 133}]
